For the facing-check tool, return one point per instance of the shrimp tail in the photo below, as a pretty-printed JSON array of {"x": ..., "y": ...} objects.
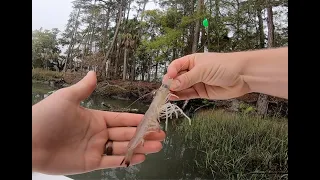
[{"x": 127, "y": 158}]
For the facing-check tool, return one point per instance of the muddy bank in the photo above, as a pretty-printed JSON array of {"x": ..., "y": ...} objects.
[
  {"x": 58, "y": 83},
  {"x": 132, "y": 90},
  {"x": 118, "y": 89},
  {"x": 127, "y": 90}
]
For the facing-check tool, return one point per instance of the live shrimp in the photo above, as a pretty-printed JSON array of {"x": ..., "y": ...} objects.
[{"x": 159, "y": 107}]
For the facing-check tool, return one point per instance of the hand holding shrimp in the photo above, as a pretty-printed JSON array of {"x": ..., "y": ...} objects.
[{"x": 221, "y": 76}]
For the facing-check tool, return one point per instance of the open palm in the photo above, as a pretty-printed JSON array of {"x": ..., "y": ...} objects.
[{"x": 70, "y": 139}]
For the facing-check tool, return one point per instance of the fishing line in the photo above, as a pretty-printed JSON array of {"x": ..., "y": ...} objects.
[{"x": 205, "y": 24}]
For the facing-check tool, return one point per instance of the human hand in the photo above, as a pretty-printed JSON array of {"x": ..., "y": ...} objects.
[
  {"x": 70, "y": 139},
  {"x": 207, "y": 75}
]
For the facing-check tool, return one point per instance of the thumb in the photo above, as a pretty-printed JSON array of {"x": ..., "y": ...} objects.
[
  {"x": 84, "y": 87},
  {"x": 186, "y": 80}
]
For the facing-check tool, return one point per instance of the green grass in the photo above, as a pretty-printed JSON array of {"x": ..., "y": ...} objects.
[
  {"x": 238, "y": 146},
  {"x": 45, "y": 75}
]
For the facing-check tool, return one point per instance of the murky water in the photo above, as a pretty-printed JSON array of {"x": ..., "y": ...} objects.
[{"x": 174, "y": 161}]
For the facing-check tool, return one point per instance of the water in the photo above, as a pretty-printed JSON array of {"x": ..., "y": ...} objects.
[{"x": 174, "y": 161}]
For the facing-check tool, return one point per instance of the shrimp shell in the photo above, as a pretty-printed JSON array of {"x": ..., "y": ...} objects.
[{"x": 158, "y": 108}]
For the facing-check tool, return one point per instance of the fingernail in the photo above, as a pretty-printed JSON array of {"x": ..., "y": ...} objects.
[
  {"x": 175, "y": 84},
  {"x": 172, "y": 98}
]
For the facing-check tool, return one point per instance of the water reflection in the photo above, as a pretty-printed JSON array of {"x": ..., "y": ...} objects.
[{"x": 174, "y": 161}]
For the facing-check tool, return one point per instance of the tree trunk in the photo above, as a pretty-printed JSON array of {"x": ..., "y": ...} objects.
[
  {"x": 143, "y": 9},
  {"x": 128, "y": 10},
  {"x": 190, "y": 32},
  {"x": 237, "y": 31},
  {"x": 93, "y": 25},
  {"x": 204, "y": 36},
  {"x": 107, "y": 68},
  {"x": 156, "y": 72},
  {"x": 210, "y": 7},
  {"x": 217, "y": 10},
  {"x": 197, "y": 28},
  {"x": 71, "y": 41},
  {"x": 196, "y": 35},
  {"x": 203, "y": 40},
  {"x": 85, "y": 46},
  {"x": 270, "y": 28},
  {"x": 149, "y": 71},
  {"x": 262, "y": 104},
  {"x": 116, "y": 63},
  {"x": 105, "y": 27},
  {"x": 133, "y": 69},
  {"x": 114, "y": 38},
  {"x": 125, "y": 64},
  {"x": 174, "y": 49},
  {"x": 261, "y": 32},
  {"x": 142, "y": 74}
]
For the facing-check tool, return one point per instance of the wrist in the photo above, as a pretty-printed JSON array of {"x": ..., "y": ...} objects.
[
  {"x": 266, "y": 71},
  {"x": 250, "y": 64}
]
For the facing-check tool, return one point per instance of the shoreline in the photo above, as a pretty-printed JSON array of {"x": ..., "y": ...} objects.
[{"x": 132, "y": 90}]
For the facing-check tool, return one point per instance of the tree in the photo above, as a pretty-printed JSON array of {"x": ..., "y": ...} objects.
[
  {"x": 44, "y": 47},
  {"x": 262, "y": 104},
  {"x": 105, "y": 63}
]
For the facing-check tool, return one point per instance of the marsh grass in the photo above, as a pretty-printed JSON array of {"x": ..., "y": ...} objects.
[
  {"x": 45, "y": 75},
  {"x": 238, "y": 146}
]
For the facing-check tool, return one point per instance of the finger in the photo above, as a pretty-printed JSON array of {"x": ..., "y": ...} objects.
[
  {"x": 84, "y": 87},
  {"x": 114, "y": 161},
  {"x": 120, "y": 148},
  {"x": 127, "y": 133},
  {"x": 166, "y": 77},
  {"x": 182, "y": 72},
  {"x": 116, "y": 119},
  {"x": 180, "y": 64},
  {"x": 186, "y": 80},
  {"x": 186, "y": 94}
]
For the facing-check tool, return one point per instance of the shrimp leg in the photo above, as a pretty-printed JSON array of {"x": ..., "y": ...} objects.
[{"x": 168, "y": 109}]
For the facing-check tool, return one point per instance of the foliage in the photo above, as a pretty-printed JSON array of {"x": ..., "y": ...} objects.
[
  {"x": 45, "y": 75},
  {"x": 44, "y": 47}
]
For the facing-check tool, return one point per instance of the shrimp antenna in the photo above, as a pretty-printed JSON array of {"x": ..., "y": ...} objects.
[
  {"x": 134, "y": 102},
  {"x": 138, "y": 99}
]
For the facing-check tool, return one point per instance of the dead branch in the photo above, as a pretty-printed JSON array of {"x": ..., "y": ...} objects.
[{"x": 106, "y": 84}]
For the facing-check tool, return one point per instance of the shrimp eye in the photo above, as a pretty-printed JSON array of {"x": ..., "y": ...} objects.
[
  {"x": 153, "y": 92},
  {"x": 165, "y": 86}
]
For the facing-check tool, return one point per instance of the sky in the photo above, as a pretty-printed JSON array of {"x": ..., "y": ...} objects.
[{"x": 50, "y": 14}]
